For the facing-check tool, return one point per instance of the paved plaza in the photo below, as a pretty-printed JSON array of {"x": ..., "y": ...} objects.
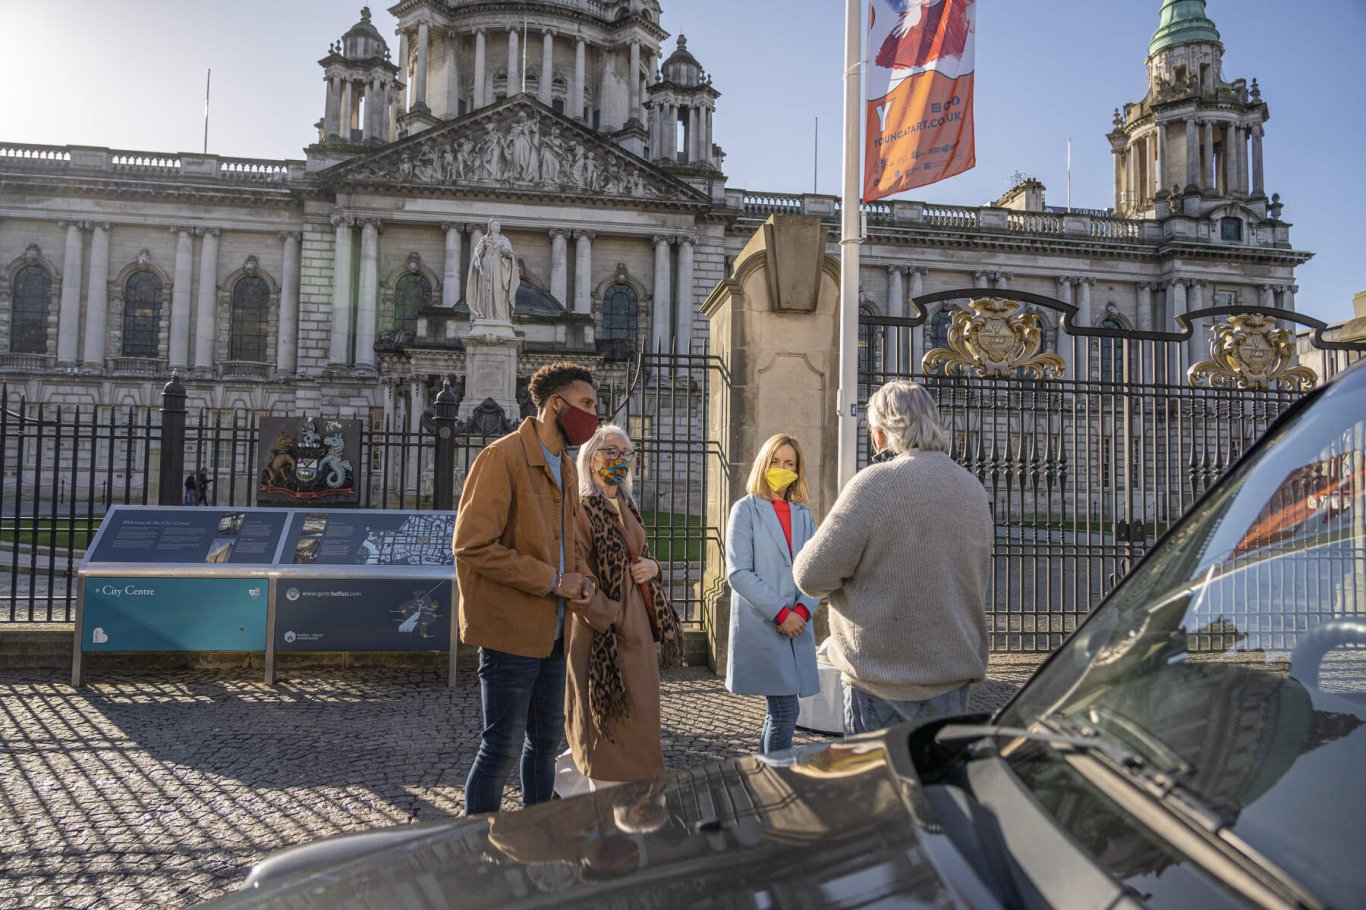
[{"x": 142, "y": 792}]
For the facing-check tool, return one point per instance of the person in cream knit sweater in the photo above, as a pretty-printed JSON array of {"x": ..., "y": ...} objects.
[{"x": 903, "y": 559}]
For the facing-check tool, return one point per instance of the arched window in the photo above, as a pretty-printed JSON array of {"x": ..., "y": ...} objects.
[
  {"x": 1111, "y": 349},
  {"x": 141, "y": 314},
  {"x": 248, "y": 323},
  {"x": 939, "y": 328},
  {"x": 412, "y": 293},
  {"x": 620, "y": 321},
  {"x": 32, "y": 299}
]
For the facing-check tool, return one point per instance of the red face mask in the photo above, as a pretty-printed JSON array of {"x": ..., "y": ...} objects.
[{"x": 577, "y": 424}]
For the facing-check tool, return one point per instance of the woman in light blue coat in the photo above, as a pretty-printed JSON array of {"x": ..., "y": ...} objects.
[{"x": 772, "y": 645}]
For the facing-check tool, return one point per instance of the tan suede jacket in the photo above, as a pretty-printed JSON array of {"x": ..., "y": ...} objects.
[{"x": 507, "y": 544}]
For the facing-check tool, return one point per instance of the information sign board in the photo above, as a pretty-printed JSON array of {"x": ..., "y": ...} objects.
[
  {"x": 174, "y": 614},
  {"x": 189, "y": 535},
  {"x": 369, "y": 538},
  {"x": 363, "y": 614}
]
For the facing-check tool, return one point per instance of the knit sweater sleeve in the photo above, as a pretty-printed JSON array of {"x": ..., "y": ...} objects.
[{"x": 832, "y": 556}]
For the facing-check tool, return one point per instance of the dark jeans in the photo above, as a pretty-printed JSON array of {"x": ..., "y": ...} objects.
[
  {"x": 523, "y": 701},
  {"x": 780, "y": 720},
  {"x": 864, "y": 711}
]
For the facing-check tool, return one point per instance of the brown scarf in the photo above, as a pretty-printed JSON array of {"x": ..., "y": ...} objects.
[{"x": 607, "y": 700}]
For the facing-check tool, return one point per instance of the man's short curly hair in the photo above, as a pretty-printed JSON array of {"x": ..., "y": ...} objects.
[{"x": 554, "y": 378}]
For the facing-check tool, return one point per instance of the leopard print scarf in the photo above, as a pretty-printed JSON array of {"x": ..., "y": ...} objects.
[{"x": 607, "y": 699}]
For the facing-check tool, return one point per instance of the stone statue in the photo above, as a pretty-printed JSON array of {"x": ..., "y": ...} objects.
[{"x": 491, "y": 287}]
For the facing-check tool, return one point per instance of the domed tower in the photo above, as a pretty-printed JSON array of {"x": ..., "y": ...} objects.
[
  {"x": 361, "y": 83},
  {"x": 683, "y": 102},
  {"x": 590, "y": 60},
  {"x": 1190, "y": 135}
]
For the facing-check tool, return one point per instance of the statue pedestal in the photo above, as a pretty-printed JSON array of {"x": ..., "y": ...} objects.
[{"x": 490, "y": 368}]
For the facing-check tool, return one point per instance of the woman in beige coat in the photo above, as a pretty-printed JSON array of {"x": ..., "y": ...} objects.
[{"x": 612, "y": 691}]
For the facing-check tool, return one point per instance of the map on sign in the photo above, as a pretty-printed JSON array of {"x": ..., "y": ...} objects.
[{"x": 371, "y": 538}]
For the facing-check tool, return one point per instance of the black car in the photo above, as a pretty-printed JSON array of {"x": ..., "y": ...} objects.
[{"x": 1195, "y": 743}]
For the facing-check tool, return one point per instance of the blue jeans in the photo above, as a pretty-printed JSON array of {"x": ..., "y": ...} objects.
[
  {"x": 780, "y": 719},
  {"x": 523, "y": 701},
  {"x": 864, "y": 712}
]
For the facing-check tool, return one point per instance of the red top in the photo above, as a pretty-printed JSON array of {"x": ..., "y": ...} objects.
[{"x": 783, "y": 509}]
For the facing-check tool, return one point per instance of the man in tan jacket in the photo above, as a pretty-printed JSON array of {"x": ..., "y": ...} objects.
[{"x": 518, "y": 571}]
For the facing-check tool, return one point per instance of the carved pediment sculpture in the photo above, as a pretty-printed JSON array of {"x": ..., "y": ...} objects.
[
  {"x": 516, "y": 145},
  {"x": 1249, "y": 352},
  {"x": 994, "y": 340}
]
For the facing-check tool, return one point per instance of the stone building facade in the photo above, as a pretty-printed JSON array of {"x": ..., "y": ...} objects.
[{"x": 335, "y": 282}]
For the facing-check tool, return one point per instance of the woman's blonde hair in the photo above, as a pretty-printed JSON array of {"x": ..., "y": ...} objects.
[
  {"x": 758, "y": 484},
  {"x": 589, "y": 450}
]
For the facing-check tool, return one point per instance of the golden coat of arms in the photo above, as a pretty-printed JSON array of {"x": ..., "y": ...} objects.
[
  {"x": 1249, "y": 352},
  {"x": 994, "y": 338}
]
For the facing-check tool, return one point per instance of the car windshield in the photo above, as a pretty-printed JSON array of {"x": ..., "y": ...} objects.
[{"x": 1234, "y": 657}]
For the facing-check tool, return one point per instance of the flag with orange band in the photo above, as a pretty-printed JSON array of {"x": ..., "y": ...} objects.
[{"x": 918, "y": 127}]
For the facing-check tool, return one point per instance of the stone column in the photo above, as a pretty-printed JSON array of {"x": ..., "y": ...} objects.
[
  {"x": 69, "y": 305},
  {"x": 1063, "y": 346},
  {"x": 1223, "y": 173},
  {"x": 694, "y": 152},
  {"x": 574, "y": 108},
  {"x": 347, "y": 111},
  {"x": 896, "y": 306},
  {"x": 1145, "y": 306},
  {"x": 583, "y": 272},
  {"x": 405, "y": 71},
  {"x": 1176, "y": 300},
  {"x": 388, "y": 127},
  {"x": 287, "y": 326},
  {"x": 659, "y": 321},
  {"x": 1160, "y": 176},
  {"x": 514, "y": 61},
  {"x": 206, "y": 302},
  {"x": 1207, "y": 178},
  {"x": 179, "y": 348},
  {"x": 1257, "y": 187},
  {"x": 367, "y": 303},
  {"x": 633, "y": 84},
  {"x": 339, "y": 349},
  {"x": 367, "y": 124},
  {"x": 705, "y": 115},
  {"x": 97, "y": 299},
  {"x": 1192, "y": 154},
  {"x": 420, "y": 77},
  {"x": 1195, "y": 300},
  {"x": 332, "y": 110},
  {"x": 544, "y": 83},
  {"x": 416, "y": 404},
  {"x": 452, "y": 75},
  {"x": 454, "y": 266},
  {"x": 686, "y": 290},
  {"x": 1117, "y": 158},
  {"x": 559, "y": 265},
  {"x": 1288, "y": 293},
  {"x": 1084, "y": 300},
  {"x": 480, "y": 59},
  {"x": 917, "y": 339}
]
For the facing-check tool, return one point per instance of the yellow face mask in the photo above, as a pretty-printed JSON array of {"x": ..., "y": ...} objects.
[{"x": 780, "y": 478}]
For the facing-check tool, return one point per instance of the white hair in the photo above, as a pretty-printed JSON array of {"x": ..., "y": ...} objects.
[
  {"x": 589, "y": 450},
  {"x": 908, "y": 415}
]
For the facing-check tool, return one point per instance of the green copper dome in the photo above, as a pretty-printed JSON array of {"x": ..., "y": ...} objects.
[{"x": 1182, "y": 21}]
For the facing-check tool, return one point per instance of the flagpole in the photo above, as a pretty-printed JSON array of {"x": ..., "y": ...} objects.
[
  {"x": 208, "y": 80},
  {"x": 847, "y": 398}
]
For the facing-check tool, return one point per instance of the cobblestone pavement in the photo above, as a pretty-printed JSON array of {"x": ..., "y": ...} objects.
[{"x": 142, "y": 793}]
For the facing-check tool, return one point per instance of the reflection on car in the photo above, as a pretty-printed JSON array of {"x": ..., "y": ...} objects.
[{"x": 1196, "y": 742}]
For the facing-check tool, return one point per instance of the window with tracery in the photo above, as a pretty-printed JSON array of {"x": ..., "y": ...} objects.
[
  {"x": 939, "y": 328},
  {"x": 141, "y": 314},
  {"x": 620, "y": 321},
  {"x": 412, "y": 293},
  {"x": 28, "y": 319},
  {"x": 249, "y": 320},
  {"x": 1111, "y": 349}
]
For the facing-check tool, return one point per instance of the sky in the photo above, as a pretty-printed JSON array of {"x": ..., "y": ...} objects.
[{"x": 129, "y": 74}]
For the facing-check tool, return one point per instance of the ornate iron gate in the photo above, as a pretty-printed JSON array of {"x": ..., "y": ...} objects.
[{"x": 1090, "y": 440}]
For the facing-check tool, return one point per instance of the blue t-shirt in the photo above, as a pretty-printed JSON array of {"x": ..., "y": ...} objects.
[{"x": 553, "y": 461}]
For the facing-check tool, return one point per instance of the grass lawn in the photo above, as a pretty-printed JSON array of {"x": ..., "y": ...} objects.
[
  {"x": 674, "y": 536},
  {"x": 46, "y": 533}
]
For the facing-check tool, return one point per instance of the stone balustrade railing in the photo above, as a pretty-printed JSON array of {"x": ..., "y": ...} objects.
[
  {"x": 25, "y": 362},
  {"x": 1034, "y": 222},
  {"x": 245, "y": 369},
  {"x": 137, "y": 366},
  {"x": 148, "y": 165}
]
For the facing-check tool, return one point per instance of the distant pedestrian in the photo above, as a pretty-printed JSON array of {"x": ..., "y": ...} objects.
[
  {"x": 612, "y": 695},
  {"x": 904, "y": 558},
  {"x": 518, "y": 568},
  {"x": 202, "y": 482},
  {"x": 772, "y": 644},
  {"x": 191, "y": 489}
]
